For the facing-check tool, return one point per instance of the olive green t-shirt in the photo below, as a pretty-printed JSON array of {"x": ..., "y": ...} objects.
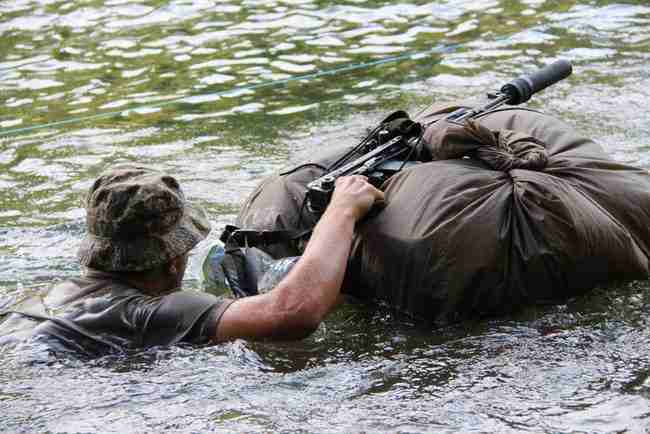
[{"x": 96, "y": 314}]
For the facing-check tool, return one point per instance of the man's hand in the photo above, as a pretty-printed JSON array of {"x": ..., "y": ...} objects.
[{"x": 354, "y": 195}]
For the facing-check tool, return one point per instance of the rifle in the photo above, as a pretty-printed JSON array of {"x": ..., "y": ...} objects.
[{"x": 395, "y": 143}]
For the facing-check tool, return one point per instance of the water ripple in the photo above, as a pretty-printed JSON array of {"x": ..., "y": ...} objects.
[{"x": 579, "y": 367}]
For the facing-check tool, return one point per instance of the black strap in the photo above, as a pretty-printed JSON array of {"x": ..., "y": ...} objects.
[{"x": 232, "y": 235}]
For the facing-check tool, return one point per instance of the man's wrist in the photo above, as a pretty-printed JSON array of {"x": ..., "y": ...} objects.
[{"x": 341, "y": 212}]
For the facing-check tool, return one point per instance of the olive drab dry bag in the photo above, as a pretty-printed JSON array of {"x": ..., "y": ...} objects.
[{"x": 511, "y": 208}]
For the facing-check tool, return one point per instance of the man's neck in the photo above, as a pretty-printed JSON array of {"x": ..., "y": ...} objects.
[
  {"x": 151, "y": 286},
  {"x": 150, "y": 283}
]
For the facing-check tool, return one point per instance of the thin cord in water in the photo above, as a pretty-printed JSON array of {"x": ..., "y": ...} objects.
[{"x": 272, "y": 83}]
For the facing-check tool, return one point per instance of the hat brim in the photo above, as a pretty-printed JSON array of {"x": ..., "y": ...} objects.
[{"x": 145, "y": 253}]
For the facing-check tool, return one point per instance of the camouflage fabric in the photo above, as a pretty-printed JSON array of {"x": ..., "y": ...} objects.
[{"x": 137, "y": 220}]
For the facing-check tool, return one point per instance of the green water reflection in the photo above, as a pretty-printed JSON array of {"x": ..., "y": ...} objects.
[{"x": 577, "y": 367}]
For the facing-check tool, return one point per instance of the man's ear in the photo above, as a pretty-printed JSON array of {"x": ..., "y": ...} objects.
[{"x": 176, "y": 265}]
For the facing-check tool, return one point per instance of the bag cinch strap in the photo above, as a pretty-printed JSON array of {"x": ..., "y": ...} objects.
[{"x": 232, "y": 235}]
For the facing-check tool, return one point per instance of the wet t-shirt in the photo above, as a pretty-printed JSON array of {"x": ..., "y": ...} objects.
[{"x": 96, "y": 314}]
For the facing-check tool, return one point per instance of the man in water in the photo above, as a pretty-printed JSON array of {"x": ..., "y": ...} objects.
[{"x": 139, "y": 232}]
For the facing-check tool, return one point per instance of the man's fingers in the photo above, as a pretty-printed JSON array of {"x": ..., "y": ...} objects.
[
  {"x": 379, "y": 195},
  {"x": 362, "y": 181},
  {"x": 351, "y": 179},
  {"x": 354, "y": 192}
]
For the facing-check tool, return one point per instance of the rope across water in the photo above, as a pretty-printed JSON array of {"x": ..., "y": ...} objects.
[{"x": 272, "y": 83}]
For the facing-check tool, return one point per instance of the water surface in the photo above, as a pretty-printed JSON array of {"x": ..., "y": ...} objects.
[{"x": 207, "y": 90}]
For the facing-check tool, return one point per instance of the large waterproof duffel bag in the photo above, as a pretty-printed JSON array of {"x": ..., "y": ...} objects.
[{"x": 513, "y": 208}]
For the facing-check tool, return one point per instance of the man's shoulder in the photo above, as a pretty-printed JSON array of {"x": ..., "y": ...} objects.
[
  {"x": 188, "y": 301},
  {"x": 190, "y": 316},
  {"x": 78, "y": 289}
]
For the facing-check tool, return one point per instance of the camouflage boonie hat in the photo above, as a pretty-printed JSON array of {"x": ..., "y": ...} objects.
[{"x": 137, "y": 220}]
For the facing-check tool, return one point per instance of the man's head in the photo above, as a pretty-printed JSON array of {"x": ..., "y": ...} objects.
[{"x": 138, "y": 221}]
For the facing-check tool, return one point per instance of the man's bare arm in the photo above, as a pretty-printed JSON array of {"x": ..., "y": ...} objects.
[{"x": 299, "y": 303}]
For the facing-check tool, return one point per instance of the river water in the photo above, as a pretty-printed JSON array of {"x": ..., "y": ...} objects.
[{"x": 87, "y": 83}]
